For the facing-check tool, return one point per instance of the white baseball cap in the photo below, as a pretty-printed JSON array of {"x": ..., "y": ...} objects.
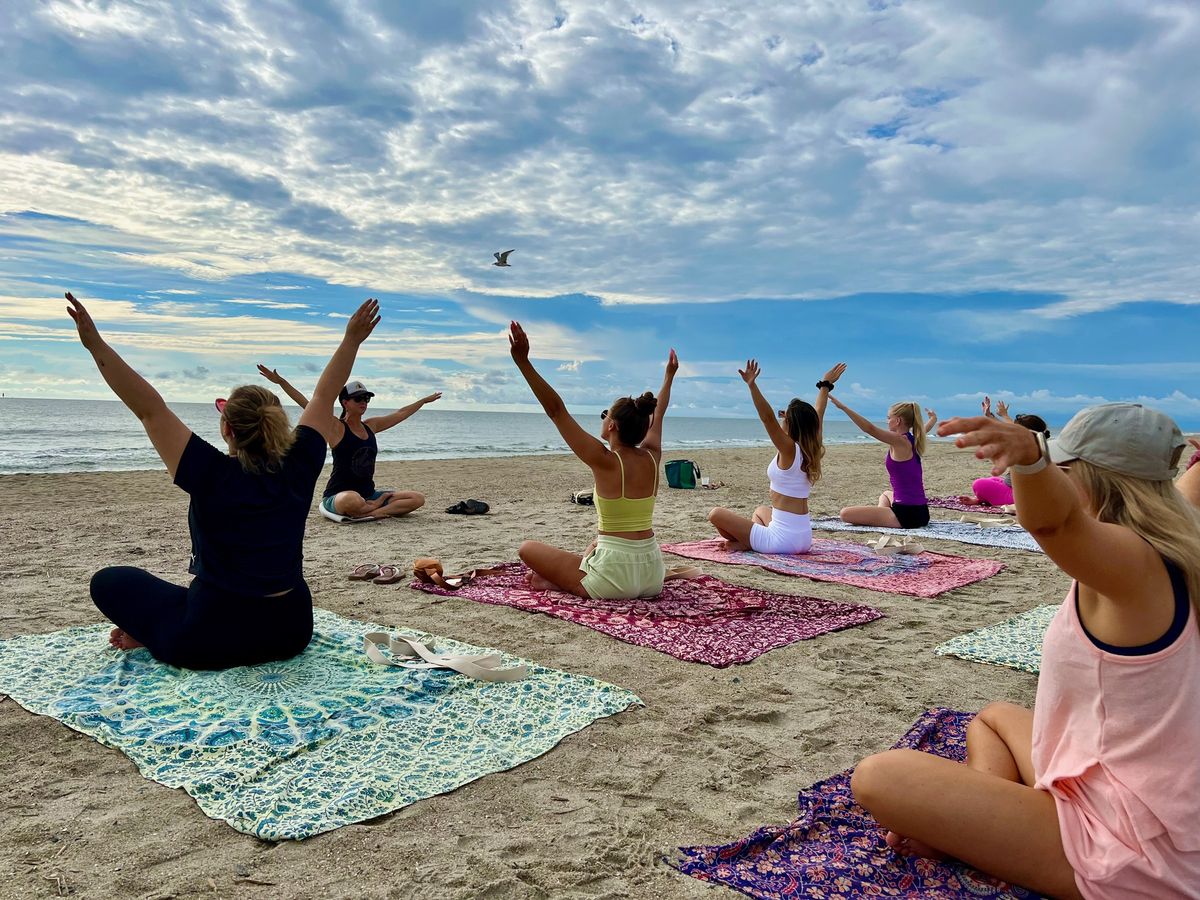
[
  {"x": 1124, "y": 437},
  {"x": 355, "y": 387}
]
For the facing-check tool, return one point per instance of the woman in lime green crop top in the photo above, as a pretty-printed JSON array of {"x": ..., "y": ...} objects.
[{"x": 624, "y": 561}]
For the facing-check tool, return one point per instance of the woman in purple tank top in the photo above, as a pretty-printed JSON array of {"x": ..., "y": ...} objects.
[{"x": 904, "y": 506}]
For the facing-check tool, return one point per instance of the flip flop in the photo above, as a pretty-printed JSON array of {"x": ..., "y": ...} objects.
[
  {"x": 388, "y": 575},
  {"x": 468, "y": 508},
  {"x": 365, "y": 572}
]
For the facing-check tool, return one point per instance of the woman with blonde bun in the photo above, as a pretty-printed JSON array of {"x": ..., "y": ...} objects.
[
  {"x": 905, "y": 505},
  {"x": 248, "y": 602}
]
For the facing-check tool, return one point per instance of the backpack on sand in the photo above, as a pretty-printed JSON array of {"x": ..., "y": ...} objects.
[{"x": 682, "y": 473}]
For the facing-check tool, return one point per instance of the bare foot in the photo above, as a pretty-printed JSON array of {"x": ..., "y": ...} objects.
[
  {"x": 734, "y": 546},
  {"x": 969, "y": 500},
  {"x": 912, "y": 847},
  {"x": 537, "y": 583},
  {"x": 121, "y": 639}
]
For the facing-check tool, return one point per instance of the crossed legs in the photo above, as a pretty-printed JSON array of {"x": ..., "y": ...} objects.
[
  {"x": 880, "y": 515},
  {"x": 736, "y": 529},
  {"x": 553, "y": 569},
  {"x": 986, "y": 813},
  {"x": 393, "y": 503}
]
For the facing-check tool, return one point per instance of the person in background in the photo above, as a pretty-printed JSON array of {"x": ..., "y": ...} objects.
[{"x": 905, "y": 505}]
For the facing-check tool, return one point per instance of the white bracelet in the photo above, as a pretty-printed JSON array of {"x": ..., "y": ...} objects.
[{"x": 1042, "y": 461}]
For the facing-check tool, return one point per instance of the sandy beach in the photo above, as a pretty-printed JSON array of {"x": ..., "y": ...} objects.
[{"x": 714, "y": 754}]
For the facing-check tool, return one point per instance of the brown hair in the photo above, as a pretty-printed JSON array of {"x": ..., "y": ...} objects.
[
  {"x": 262, "y": 434},
  {"x": 1033, "y": 423},
  {"x": 804, "y": 427},
  {"x": 910, "y": 414},
  {"x": 633, "y": 417}
]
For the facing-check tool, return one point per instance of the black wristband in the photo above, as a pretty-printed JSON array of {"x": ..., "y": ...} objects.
[{"x": 825, "y": 384}]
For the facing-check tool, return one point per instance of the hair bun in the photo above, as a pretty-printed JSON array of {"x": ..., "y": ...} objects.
[{"x": 646, "y": 403}]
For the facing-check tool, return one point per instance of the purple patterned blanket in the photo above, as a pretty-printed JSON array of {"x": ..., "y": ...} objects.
[
  {"x": 834, "y": 849},
  {"x": 924, "y": 575},
  {"x": 701, "y": 620}
]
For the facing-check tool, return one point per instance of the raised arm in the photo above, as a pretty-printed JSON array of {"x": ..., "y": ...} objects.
[
  {"x": 168, "y": 435},
  {"x": 653, "y": 439},
  {"x": 587, "y": 447},
  {"x": 383, "y": 423},
  {"x": 824, "y": 386},
  {"x": 1189, "y": 482},
  {"x": 319, "y": 412},
  {"x": 931, "y": 421},
  {"x": 1108, "y": 558},
  {"x": 1002, "y": 411},
  {"x": 273, "y": 376},
  {"x": 866, "y": 426},
  {"x": 766, "y": 415}
]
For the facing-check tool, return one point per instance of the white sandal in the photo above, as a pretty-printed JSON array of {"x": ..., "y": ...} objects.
[{"x": 408, "y": 653}]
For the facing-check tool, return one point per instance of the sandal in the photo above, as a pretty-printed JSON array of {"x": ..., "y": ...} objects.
[
  {"x": 388, "y": 575},
  {"x": 468, "y": 508},
  {"x": 365, "y": 572}
]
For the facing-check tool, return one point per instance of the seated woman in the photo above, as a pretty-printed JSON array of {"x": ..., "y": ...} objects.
[
  {"x": 351, "y": 488},
  {"x": 904, "y": 506},
  {"x": 624, "y": 562},
  {"x": 997, "y": 490},
  {"x": 1095, "y": 792},
  {"x": 248, "y": 602},
  {"x": 785, "y": 525}
]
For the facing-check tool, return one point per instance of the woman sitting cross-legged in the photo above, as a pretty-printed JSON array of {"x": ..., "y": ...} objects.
[
  {"x": 997, "y": 490},
  {"x": 350, "y": 490},
  {"x": 785, "y": 525},
  {"x": 248, "y": 602},
  {"x": 1095, "y": 792},
  {"x": 624, "y": 562},
  {"x": 905, "y": 505}
]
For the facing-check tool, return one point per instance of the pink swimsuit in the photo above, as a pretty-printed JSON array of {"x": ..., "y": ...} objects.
[{"x": 1116, "y": 741}]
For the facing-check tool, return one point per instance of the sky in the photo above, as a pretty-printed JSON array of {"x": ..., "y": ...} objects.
[{"x": 956, "y": 198}]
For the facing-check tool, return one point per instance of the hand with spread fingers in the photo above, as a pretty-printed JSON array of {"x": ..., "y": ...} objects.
[
  {"x": 1004, "y": 443},
  {"x": 364, "y": 320},
  {"x": 751, "y": 372}
]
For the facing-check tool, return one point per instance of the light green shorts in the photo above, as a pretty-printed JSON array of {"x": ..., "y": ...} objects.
[{"x": 621, "y": 569}]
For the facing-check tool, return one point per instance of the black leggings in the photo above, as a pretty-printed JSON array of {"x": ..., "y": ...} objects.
[{"x": 201, "y": 626}]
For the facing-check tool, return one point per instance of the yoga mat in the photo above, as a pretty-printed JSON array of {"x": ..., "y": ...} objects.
[
  {"x": 291, "y": 749},
  {"x": 699, "y": 620},
  {"x": 834, "y": 849},
  {"x": 1015, "y": 642},
  {"x": 955, "y": 503},
  {"x": 845, "y": 562},
  {"x": 1010, "y": 537}
]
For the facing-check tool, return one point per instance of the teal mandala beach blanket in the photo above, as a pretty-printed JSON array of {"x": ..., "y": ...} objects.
[
  {"x": 287, "y": 750},
  {"x": 1015, "y": 642}
]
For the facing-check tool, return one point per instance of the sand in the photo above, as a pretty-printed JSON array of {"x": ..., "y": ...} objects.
[{"x": 714, "y": 754}]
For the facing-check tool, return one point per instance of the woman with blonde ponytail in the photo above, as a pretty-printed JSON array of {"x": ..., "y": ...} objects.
[
  {"x": 905, "y": 505},
  {"x": 785, "y": 526},
  {"x": 248, "y": 602},
  {"x": 1095, "y": 792}
]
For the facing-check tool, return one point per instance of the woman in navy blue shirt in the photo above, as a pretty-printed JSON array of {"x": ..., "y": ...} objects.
[{"x": 248, "y": 602}]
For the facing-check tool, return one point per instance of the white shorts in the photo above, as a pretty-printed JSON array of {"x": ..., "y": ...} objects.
[{"x": 787, "y": 533}]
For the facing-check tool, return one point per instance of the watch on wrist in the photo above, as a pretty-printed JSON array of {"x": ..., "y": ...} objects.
[{"x": 1043, "y": 459}]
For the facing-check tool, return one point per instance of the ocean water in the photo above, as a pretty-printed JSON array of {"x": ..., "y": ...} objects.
[{"x": 102, "y": 435}]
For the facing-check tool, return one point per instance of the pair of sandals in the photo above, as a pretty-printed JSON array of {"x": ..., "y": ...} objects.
[
  {"x": 893, "y": 545},
  {"x": 468, "y": 508},
  {"x": 986, "y": 521},
  {"x": 377, "y": 574}
]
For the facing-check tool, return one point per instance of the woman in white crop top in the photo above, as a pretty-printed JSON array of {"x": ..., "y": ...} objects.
[{"x": 785, "y": 525}]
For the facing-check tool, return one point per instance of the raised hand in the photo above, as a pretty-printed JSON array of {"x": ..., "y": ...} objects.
[
  {"x": 364, "y": 320},
  {"x": 1004, "y": 443},
  {"x": 272, "y": 375},
  {"x": 1002, "y": 409},
  {"x": 436, "y": 395},
  {"x": 986, "y": 406},
  {"x": 751, "y": 372},
  {"x": 835, "y": 373},
  {"x": 518, "y": 342},
  {"x": 930, "y": 413},
  {"x": 672, "y": 363},
  {"x": 89, "y": 335}
]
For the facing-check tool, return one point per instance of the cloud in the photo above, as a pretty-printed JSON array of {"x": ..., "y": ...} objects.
[{"x": 572, "y": 366}]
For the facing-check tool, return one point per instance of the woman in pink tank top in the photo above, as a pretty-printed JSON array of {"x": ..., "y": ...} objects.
[{"x": 1095, "y": 792}]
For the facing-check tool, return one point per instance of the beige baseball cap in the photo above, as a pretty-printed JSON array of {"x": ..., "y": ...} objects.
[{"x": 1124, "y": 437}]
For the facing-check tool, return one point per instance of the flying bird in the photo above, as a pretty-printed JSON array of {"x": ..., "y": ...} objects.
[{"x": 502, "y": 258}]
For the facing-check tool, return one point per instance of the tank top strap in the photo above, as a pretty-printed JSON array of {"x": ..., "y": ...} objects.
[
  {"x": 654, "y": 462},
  {"x": 621, "y": 463}
]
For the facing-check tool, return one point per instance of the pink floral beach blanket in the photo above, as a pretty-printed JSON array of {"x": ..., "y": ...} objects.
[
  {"x": 700, "y": 620},
  {"x": 923, "y": 575}
]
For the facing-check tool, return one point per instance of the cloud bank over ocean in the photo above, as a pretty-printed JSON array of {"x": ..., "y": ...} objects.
[{"x": 955, "y": 198}]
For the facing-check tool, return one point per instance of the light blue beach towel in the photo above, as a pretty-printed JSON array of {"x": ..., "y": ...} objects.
[
  {"x": 1015, "y": 642},
  {"x": 291, "y": 749},
  {"x": 1010, "y": 537}
]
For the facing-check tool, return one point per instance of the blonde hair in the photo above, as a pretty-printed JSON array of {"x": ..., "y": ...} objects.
[
  {"x": 262, "y": 434},
  {"x": 910, "y": 413},
  {"x": 1154, "y": 510}
]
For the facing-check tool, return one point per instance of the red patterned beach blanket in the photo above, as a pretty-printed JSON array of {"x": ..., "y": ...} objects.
[
  {"x": 700, "y": 620},
  {"x": 955, "y": 503},
  {"x": 923, "y": 575},
  {"x": 835, "y": 849}
]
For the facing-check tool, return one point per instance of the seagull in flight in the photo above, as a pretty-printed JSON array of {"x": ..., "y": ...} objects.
[{"x": 502, "y": 258}]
